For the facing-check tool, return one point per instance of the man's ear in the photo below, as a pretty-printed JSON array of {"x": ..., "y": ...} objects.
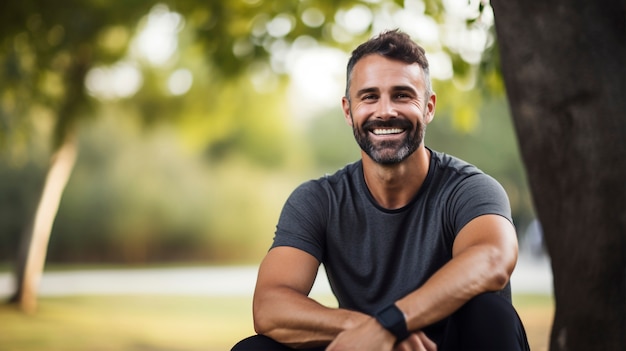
[
  {"x": 345, "y": 106},
  {"x": 430, "y": 108}
]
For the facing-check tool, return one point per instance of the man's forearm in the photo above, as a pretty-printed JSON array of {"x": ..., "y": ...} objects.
[
  {"x": 451, "y": 287},
  {"x": 296, "y": 320},
  {"x": 484, "y": 255}
]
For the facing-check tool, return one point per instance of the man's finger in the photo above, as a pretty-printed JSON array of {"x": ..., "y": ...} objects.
[
  {"x": 429, "y": 345},
  {"x": 416, "y": 342}
]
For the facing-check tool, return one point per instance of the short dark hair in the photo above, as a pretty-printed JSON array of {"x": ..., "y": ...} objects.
[{"x": 392, "y": 44}]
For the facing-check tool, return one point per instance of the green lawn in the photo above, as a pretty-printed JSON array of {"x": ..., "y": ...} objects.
[{"x": 174, "y": 323}]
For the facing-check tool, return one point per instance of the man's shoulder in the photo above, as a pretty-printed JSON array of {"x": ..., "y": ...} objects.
[
  {"x": 332, "y": 182},
  {"x": 348, "y": 174},
  {"x": 450, "y": 172},
  {"x": 443, "y": 162}
]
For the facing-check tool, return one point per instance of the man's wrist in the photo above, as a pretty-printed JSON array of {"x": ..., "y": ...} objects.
[{"x": 392, "y": 319}]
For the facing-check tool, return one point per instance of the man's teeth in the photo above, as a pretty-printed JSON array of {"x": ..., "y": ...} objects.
[{"x": 387, "y": 131}]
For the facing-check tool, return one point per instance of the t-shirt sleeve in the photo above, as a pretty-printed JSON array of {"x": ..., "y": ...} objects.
[
  {"x": 478, "y": 195},
  {"x": 302, "y": 222}
]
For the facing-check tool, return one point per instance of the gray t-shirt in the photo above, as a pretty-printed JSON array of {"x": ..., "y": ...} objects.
[{"x": 374, "y": 256}]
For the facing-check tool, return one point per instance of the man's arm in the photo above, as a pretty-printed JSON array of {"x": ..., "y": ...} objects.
[
  {"x": 484, "y": 254},
  {"x": 281, "y": 306}
]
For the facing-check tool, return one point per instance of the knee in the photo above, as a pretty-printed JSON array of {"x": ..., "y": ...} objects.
[
  {"x": 489, "y": 311},
  {"x": 259, "y": 343},
  {"x": 491, "y": 303},
  {"x": 488, "y": 322}
]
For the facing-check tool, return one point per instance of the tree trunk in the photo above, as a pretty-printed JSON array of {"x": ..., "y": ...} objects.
[
  {"x": 563, "y": 63},
  {"x": 31, "y": 262}
]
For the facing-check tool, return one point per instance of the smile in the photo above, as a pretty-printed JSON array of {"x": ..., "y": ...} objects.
[{"x": 387, "y": 131}]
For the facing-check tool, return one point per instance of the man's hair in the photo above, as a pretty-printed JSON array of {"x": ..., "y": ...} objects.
[{"x": 394, "y": 45}]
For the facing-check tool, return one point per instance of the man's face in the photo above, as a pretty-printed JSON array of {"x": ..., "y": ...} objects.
[{"x": 388, "y": 108}]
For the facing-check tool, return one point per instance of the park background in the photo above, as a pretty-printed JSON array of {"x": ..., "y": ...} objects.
[{"x": 185, "y": 161}]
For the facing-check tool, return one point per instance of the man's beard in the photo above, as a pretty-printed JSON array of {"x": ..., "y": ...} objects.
[{"x": 389, "y": 152}]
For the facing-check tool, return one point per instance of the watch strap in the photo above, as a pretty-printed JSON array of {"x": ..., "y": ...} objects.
[{"x": 392, "y": 319}]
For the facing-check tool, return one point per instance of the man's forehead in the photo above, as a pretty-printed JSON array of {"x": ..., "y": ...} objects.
[{"x": 377, "y": 68}]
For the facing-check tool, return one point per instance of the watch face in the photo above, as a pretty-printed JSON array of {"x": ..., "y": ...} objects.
[
  {"x": 392, "y": 319},
  {"x": 388, "y": 315}
]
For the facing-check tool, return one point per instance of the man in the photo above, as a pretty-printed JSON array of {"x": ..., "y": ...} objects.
[{"x": 418, "y": 246}]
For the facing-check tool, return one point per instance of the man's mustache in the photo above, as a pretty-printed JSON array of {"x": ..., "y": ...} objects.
[{"x": 389, "y": 123}]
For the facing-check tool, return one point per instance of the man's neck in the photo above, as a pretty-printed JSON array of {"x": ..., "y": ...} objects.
[{"x": 394, "y": 186}]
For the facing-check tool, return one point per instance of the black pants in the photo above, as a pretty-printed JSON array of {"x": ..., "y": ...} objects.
[{"x": 485, "y": 323}]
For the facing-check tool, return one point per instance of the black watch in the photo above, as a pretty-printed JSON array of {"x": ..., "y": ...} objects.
[{"x": 392, "y": 319}]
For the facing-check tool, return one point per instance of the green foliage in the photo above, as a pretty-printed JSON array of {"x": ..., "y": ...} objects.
[
  {"x": 47, "y": 49},
  {"x": 130, "y": 200},
  {"x": 331, "y": 141},
  {"x": 19, "y": 190},
  {"x": 45, "y": 52},
  {"x": 200, "y": 174},
  {"x": 142, "y": 196}
]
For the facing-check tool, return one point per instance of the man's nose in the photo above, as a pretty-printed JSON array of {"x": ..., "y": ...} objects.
[{"x": 385, "y": 108}]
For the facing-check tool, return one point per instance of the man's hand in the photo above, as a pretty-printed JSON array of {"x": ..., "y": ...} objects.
[
  {"x": 370, "y": 335},
  {"x": 417, "y": 342}
]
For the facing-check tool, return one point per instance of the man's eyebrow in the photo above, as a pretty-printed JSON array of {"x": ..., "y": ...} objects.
[
  {"x": 395, "y": 88},
  {"x": 366, "y": 91},
  {"x": 404, "y": 88}
]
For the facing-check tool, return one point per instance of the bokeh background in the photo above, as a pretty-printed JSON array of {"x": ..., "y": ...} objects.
[
  {"x": 194, "y": 120},
  {"x": 181, "y": 161}
]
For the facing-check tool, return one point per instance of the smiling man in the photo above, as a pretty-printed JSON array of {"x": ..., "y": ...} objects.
[{"x": 418, "y": 245}]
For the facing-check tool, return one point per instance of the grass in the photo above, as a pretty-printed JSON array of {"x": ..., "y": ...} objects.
[
  {"x": 536, "y": 312},
  {"x": 174, "y": 323}
]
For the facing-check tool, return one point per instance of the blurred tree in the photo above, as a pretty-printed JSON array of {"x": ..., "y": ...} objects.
[
  {"x": 564, "y": 67},
  {"x": 47, "y": 50}
]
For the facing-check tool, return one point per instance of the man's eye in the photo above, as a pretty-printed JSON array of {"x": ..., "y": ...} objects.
[{"x": 369, "y": 97}]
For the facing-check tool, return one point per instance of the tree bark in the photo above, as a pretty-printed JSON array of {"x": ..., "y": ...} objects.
[
  {"x": 35, "y": 245},
  {"x": 563, "y": 63}
]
